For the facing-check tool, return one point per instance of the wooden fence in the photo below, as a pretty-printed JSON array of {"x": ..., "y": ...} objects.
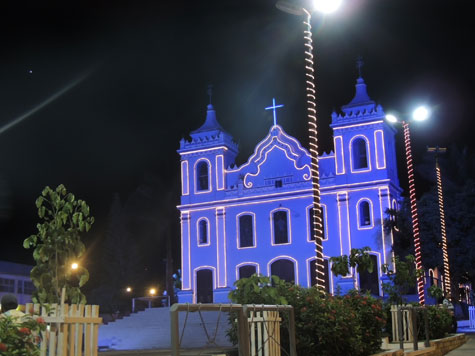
[
  {"x": 72, "y": 330},
  {"x": 407, "y": 332},
  {"x": 258, "y": 327},
  {"x": 264, "y": 329}
]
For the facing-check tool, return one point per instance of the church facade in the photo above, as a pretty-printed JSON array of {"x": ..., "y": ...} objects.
[{"x": 255, "y": 218}]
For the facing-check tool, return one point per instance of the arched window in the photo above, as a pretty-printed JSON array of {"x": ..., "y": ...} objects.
[
  {"x": 370, "y": 281},
  {"x": 202, "y": 179},
  {"x": 310, "y": 223},
  {"x": 246, "y": 271},
  {"x": 313, "y": 274},
  {"x": 360, "y": 156},
  {"x": 246, "y": 235},
  {"x": 281, "y": 233},
  {"x": 203, "y": 232},
  {"x": 365, "y": 213},
  {"x": 284, "y": 269}
]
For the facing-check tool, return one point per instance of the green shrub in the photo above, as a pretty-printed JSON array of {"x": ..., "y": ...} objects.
[
  {"x": 440, "y": 322},
  {"x": 325, "y": 325}
]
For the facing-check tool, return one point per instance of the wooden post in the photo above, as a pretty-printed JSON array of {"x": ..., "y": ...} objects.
[
  {"x": 413, "y": 313},
  {"x": 293, "y": 349},
  {"x": 400, "y": 326},
  {"x": 243, "y": 332}
]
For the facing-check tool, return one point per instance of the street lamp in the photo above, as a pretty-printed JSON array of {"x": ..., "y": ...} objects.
[
  {"x": 74, "y": 266},
  {"x": 297, "y": 8},
  {"x": 419, "y": 114},
  {"x": 128, "y": 289},
  {"x": 152, "y": 291}
]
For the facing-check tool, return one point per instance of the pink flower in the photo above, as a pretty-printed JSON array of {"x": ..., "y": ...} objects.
[
  {"x": 3, "y": 347},
  {"x": 40, "y": 320}
]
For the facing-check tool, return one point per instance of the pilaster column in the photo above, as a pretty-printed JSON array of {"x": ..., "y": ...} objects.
[
  {"x": 185, "y": 251},
  {"x": 344, "y": 223},
  {"x": 221, "y": 248}
]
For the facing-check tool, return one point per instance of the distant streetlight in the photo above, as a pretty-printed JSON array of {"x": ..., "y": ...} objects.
[
  {"x": 128, "y": 289},
  {"x": 152, "y": 291},
  {"x": 419, "y": 114},
  {"x": 298, "y": 8},
  {"x": 74, "y": 266}
]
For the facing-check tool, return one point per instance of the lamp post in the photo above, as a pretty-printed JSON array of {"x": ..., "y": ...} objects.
[
  {"x": 420, "y": 114},
  {"x": 445, "y": 254},
  {"x": 297, "y": 8}
]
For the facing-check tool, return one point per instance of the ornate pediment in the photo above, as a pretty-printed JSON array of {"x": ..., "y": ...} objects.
[{"x": 278, "y": 159}]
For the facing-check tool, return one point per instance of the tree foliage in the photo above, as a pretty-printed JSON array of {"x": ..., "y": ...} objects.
[
  {"x": 359, "y": 258},
  {"x": 57, "y": 245},
  {"x": 402, "y": 279},
  {"x": 458, "y": 179},
  {"x": 121, "y": 266}
]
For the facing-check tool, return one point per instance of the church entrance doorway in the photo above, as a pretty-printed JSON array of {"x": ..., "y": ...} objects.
[
  {"x": 370, "y": 281},
  {"x": 204, "y": 286},
  {"x": 284, "y": 269}
]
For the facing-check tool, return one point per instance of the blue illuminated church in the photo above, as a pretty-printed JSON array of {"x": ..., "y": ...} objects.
[{"x": 254, "y": 218}]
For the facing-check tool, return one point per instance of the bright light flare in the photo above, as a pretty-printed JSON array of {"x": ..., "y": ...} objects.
[
  {"x": 326, "y": 6},
  {"x": 421, "y": 113},
  {"x": 152, "y": 291},
  {"x": 391, "y": 118},
  {"x": 128, "y": 289},
  {"x": 74, "y": 266}
]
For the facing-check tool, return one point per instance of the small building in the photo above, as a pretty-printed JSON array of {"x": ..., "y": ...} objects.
[
  {"x": 254, "y": 218},
  {"x": 15, "y": 279}
]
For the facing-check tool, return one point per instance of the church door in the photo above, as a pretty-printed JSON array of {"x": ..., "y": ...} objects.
[
  {"x": 370, "y": 281},
  {"x": 204, "y": 286}
]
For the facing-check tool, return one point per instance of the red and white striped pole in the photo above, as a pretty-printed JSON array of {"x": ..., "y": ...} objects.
[
  {"x": 317, "y": 232},
  {"x": 414, "y": 214}
]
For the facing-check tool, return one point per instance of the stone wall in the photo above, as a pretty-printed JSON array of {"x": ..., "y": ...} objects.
[{"x": 438, "y": 347}]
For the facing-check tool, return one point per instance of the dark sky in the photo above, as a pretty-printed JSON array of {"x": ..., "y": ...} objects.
[{"x": 146, "y": 66}]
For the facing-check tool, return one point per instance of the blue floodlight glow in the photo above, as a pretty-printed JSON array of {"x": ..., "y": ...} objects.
[{"x": 273, "y": 107}]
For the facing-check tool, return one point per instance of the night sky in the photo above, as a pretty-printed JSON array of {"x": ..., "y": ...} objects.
[{"x": 138, "y": 71}]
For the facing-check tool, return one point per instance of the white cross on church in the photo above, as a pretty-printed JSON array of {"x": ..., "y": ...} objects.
[{"x": 273, "y": 107}]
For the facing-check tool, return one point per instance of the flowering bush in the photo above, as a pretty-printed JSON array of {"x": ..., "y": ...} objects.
[
  {"x": 20, "y": 337},
  {"x": 440, "y": 321},
  {"x": 325, "y": 325}
]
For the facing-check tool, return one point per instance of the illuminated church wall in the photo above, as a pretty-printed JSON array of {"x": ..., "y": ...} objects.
[{"x": 255, "y": 217}]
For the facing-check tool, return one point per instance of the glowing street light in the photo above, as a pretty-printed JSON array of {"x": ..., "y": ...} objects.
[
  {"x": 419, "y": 114},
  {"x": 325, "y": 6},
  {"x": 128, "y": 289},
  {"x": 152, "y": 291},
  {"x": 74, "y": 266}
]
